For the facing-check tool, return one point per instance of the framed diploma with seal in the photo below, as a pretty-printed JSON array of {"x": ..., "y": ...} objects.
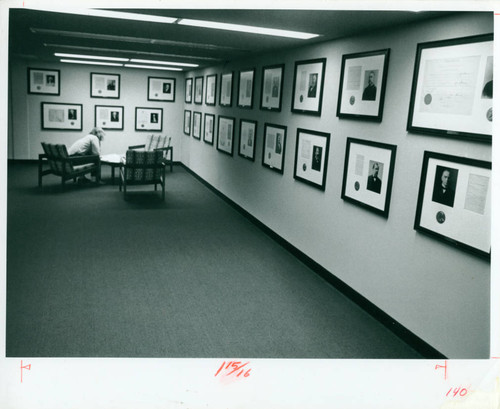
[
  {"x": 308, "y": 80},
  {"x": 452, "y": 91},
  {"x": 248, "y": 134},
  {"x": 225, "y": 135},
  {"x": 454, "y": 202},
  {"x": 197, "y": 125},
  {"x": 273, "y": 152},
  {"x": 272, "y": 87},
  {"x": 187, "y": 122}
]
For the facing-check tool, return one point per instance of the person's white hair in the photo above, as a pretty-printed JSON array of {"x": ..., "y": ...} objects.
[{"x": 97, "y": 132}]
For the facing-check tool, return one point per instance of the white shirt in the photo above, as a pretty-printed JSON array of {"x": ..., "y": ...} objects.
[{"x": 88, "y": 145}]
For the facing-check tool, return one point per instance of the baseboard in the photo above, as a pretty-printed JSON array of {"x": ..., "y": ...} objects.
[{"x": 418, "y": 344}]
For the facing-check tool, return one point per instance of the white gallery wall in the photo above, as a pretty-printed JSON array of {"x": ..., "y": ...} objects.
[{"x": 438, "y": 292}]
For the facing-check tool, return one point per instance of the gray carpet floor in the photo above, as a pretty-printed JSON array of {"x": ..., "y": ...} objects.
[{"x": 92, "y": 275}]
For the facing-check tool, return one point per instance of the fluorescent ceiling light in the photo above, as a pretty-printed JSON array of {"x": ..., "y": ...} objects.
[
  {"x": 247, "y": 29},
  {"x": 150, "y": 67},
  {"x": 91, "y": 62},
  {"x": 180, "y": 64},
  {"x": 90, "y": 57}
]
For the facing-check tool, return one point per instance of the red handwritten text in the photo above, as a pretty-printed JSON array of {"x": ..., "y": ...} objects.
[
  {"x": 232, "y": 367},
  {"x": 28, "y": 367},
  {"x": 445, "y": 366},
  {"x": 457, "y": 392}
]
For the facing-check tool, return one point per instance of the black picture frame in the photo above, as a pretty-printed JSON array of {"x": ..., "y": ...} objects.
[
  {"x": 459, "y": 215},
  {"x": 368, "y": 174},
  {"x": 198, "y": 90},
  {"x": 211, "y": 90},
  {"x": 248, "y": 139},
  {"x": 43, "y": 81},
  {"x": 226, "y": 89},
  {"x": 308, "y": 75},
  {"x": 208, "y": 128},
  {"x": 274, "y": 149},
  {"x": 197, "y": 125},
  {"x": 246, "y": 82},
  {"x": 148, "y": 119},
  {"x": 271, "y": 94},
  {"x": 458, "y": 103},
  {"x": 225, "y": 134},
  {"x": 188, "y": 91},
  {"x": 311, "y": 157},
  {"x": 363, "y": 80},
  {"x": 61, "y": 116},
  {"x": 109, "y": 117},
  {"x": 104, "y": 85},
  {"x": 161, "y": 89},
  {"x": 187, "y": 122}
]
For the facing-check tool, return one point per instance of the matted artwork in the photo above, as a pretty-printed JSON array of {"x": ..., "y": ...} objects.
[
  {"x": 248, "y": 135},
  {"x": 161, "y": 89},
  {"x": 187, "y": 122},
  {"x": 211, "y": 90},
  {"x": 245, "y": 88},
  {"x": 188, "y": 98},
  {"x": 225, "y": 134},
  {"x": 198, "y": 90},
  {"x": 109, "y": 117},
  {"x": 273, "y": 153},
  {"x": 368, "y": 174},
  {"x": 311, "y": 157},
  {"x": 454, "y": 201},
  {"x": 197, "y": 125},
  {"x": 104, "y": 85},
  {"x": 308, "y": 80},
  {"x": 208, "y": 133},
  {"x": 452, "y": 91},
  {"x": 148, "y": 119},
  {"x": 362, "y": 85},
  {"x": 226, "y": 90},
  {"x": 44, "y": 81},
  {"x": 272, "y": 87},
  {"x": 61, "y": 116}
]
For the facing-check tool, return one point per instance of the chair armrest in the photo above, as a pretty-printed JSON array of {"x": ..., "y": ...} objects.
[
  {"x": 166, "y": 149},
  {"x": 81, "y": 160},
  {"x": 136, "y": 146}
]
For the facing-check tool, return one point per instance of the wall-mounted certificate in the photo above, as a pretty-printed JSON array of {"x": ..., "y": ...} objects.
[
  {"x": 104, "y": 85},
  {"x": 308, "y": 83},
  {"x": 208, "y": 129},
  {"x": 225, "y": 135},
  {"x": 311, "y": 157},
  {"x": 272, "y": 87},
  {"x": 273, "y": 153},
  {"x": 61, "y": 116},
  {"x": 148, "y": 119},
  {"x": 248, "y": 134},
  {"x": 109, "y": 117}
]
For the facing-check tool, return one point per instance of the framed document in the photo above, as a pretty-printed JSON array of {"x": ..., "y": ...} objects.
[
  {"x": 198, "y": 90},
  {"x": 248, "y": 134},
  {"x": 308, "y": 82},
  {"x": 188, "y": 98},
  {"x": 187, "y": 122},
  {"x": 225, "y": 135},
  {"x": 148, "y": 119},
  {"x": 104, "y": 85},
  {"x": 311, "y": 157},
  {"x": 197, "y": 125},
  {"x": 109, "y": 117},
  {"x": 273, "y": 153},
  {"x": 61, "y": 116},
  {"x": 272, "y": 87},
  {"x": 44, "y": 81},
  {"x": 454, "y": 201},
  {"x": 161, "y": 89},
  {"x": 211, "y": 89},
  {"x": 226, "y": 90},
  {"x": 208, "y": 133},
  {"x": 452, "y": 91},
  {"x": 368, "y": 174},
  {"x": 362, "y": 85},
  {"x": 245, "y": 89}
]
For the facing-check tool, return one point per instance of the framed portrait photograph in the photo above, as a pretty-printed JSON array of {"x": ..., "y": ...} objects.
[
  {"x": 368, "y": 174},
  {"x": 311, "y": 157},
  {"x": 208, "y": 129},
  {"x": 104, "y": 85},
  {"x": 248, "y": 135},
  {"x": 308, "y": 80},
  {"x": 148, "y": 119},
  {"x": 362, "y": 85},
  {"x": 225, "y": 134},
  {"x": 61, "y": 116},
  {"x": 226, "y": 90},
  {"x": 211, "y": 89},
  {"x": 198, "y": 90},
  {"x": 273, "y": 153},
  {"x": 454, "y": 201},
  {"x": 272, "y": 87},
  {"x": 188, "y": 98},
  {"x": 109, "y": 117},
  {"x": 452, "y": 90},
  {"x": 245, "y": 88},
  {"x": 44, "y": 81},
  {"x": 197, "y": 125},
  {"x": 161, "y": 89},
  {"x": 187, "y": 122}
]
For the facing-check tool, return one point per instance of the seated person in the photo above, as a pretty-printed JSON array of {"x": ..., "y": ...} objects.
[{"x": 88, "y": 145}]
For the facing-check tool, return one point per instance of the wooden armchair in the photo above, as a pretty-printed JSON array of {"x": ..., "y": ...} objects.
[
  {"x": 67, "y": 167},
  {"x": 143, "y": 168},
  {"x": 159, "y": 143}
]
